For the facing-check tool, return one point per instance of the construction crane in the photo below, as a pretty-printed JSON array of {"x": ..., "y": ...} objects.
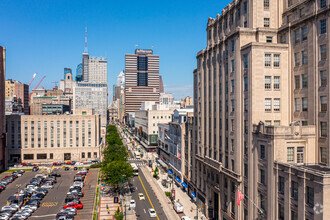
[
  {"x": 34, "y": 76},
  {"x": 55, "y": 82},
  {"x": 37, "y": 86}
]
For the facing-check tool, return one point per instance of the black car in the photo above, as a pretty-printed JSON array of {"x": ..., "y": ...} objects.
[
  {"x": 55, "y": 174},
  {"x": 37, "y": 197},
  {"x": 33, "y": 202},
  {"x": 67, "y": 216},
  {"x": 75, "y": 168},
  {"x": 67, "y": 168},
  {"x": 70, "y": 198},
  {"x": 35, "y": 169}
]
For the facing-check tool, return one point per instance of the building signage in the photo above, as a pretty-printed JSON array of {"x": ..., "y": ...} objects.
[{"x": 143, "y": 51}]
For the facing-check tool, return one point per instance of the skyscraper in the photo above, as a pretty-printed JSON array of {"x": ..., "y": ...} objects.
[
  {"x": 161, "y": 85},
  {"x": 141, "y": 79},
  {"x": 121, "y": 79},
  {"x": 2, "y": 109},
  {"x": 66, "y": 71},
  {"x": 97, "y": 69},
  {"x": 79, "y": 72}
]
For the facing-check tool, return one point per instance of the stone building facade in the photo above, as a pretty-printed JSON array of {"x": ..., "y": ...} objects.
[{"x": 265, "y": 61}]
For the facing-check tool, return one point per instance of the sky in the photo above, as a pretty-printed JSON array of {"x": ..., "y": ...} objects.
[{"x": 45, "y": 36}]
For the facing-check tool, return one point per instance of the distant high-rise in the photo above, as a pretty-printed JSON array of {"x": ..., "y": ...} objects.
[
  {"x": 121, "y": 79},
  {"x": 85, "y": 60},
  {"x": 141, "y": 79},
  {"x": 79, "y": 72},
  {"x": 2, "y": 109},
  {"x": 161, "y": 84},
  {"x": 97, "y": 69},
  {"x": 66, "y": 71}
]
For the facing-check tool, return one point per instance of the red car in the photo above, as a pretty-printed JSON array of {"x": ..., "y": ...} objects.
[
  {"x": 68, "y": 162},
  {"x": 73, "y": 205},
  {"x": 23, "y": 164},
  {"x": 56, "y": 164}
]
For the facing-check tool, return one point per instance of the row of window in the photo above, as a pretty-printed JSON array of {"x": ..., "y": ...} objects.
[
  {"x": 161, "y": 117},
  {"x": 276, "y": 60},
  {"x": 268, "y": 82},
  {"x": 268, "y": 104}
]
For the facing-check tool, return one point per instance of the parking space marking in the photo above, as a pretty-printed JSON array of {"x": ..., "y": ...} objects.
[{"x": 49, "y": 204}]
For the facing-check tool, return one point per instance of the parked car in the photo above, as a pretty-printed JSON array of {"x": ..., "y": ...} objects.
[
  {"x": 132, "y": 204},
  {"x": 64, "y": 216},
  {"x": 35, "y": 169},
  {"x": 55, "y": 174},
  {"x": 67, "y": 168},
  {"x": 47, "y": 186},
  {"x": 75, "y": 168},
  {"x": 73, "y": 205}
]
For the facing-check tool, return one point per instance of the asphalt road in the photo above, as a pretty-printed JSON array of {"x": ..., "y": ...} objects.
[{"x": 54, "y": 200}]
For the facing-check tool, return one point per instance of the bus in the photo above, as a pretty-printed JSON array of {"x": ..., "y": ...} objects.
[
  {"x": 137, "y": 155},
  {"x": 135, "y": 169}
]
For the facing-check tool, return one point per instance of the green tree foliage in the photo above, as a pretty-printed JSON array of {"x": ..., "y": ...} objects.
[
  {"x": 118, "y": 215},
  {"x": 116, "y": 172}
]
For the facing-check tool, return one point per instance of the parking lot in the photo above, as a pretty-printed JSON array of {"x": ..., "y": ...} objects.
[{"x": 54, "y": 200}]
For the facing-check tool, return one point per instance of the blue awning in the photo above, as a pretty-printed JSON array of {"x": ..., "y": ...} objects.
[
  {"x": 178, "y": 179},
  {"x": 184, "y": 184},
  {"x": 193, "y": 195},
  {"x": 170, "y": 172}
]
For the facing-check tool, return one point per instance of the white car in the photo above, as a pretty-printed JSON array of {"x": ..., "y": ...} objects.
[
  {"x": 4, "y": 217},
  {"x": 7, "y": 207},
  {"x": 185, "y": 218},
  {"x": 32, "y": 207},
  {"x": 47, "y": 186},
  {"x": 20, "y": 216},
  {"x": 27, "y": 209},
  {"x": 71, "y": 211},
  {"x": 152, "y": 213},
  {"x": 132, "y": 204}
]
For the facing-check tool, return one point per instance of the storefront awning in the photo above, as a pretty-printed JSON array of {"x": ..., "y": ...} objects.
[
  {"x": 178, "y": 179},
  {"x": 170, "y": 172},
  {"x": 184, "y": 184},
  {"x": 193, "y": 195}
]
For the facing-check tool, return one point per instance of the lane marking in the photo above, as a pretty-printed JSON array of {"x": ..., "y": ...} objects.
[
  {"x": 42, "y": 216},
  {"x": 148, "y": 197},
  {"x": 49, "y": 204},
  {"x": 144, "y": 211}
]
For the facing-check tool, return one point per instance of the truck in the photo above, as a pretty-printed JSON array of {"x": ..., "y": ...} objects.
[{"x": 178, "y": 207}]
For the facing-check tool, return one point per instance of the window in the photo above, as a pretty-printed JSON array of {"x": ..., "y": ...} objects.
[
  {"x": 289, "y": 3},
  {"x": 276, "y": 105},
  {"x": 304, "y": 57},
  {"x": 323, "y": 52},
  {"x": 276, "y": 82},
  {"x": 276, "y": 60},
  {"x": 266, "y": 4},
  {"x": 41, "y": 156},
  {"x": 89, "y": 154},
  {"x": 268, "y": 105},
  {"x": 262, "y": 177},
  {"x": 246, "y": 170},
  {"x": 290, "y": 153},
  {"x": 281, "y": 184},
  {"x": 294, "y": 190},
  {"x": 266, "y": 22},
  {"x": 277, "y": 122},
  {"x": 268, "y": 82},
  {"x": 296, "y": 59},
  {"x": 28, "y": 156},
  {"x": 297, "y": 82},
  {"x": 324, "y": 105},
  {"x": 297, "y": 104},
  {"x": 83, "y": 155},
  {"x": 268, "y": 123},
  {"x": 232, "y": 86},
  {"x": 246, "y": 84},
  {"x": 304, "y": 123},
  {"x": 324, "y": 154},
  {"x": 323, "y": 3},
  {"x": 142, "y": 63},
  {"x": 232, "y": 65},
  {"x": 232, "y": 45},
  {"x": 323, "y": 26},
  {"x": 300, "y": 154},
  {"x": 245, "y": 7},
  {"x": 323, "y": 78},
  {"x": 303, "y": 33},
  {"x": 296, "y": 36},
  {"x": 142, "y": 79},
  {"x": 283, "y": 39},
  {"x": 262, "y": 152},
  {"x": 245, "y": 24},
  {"x": 269, "y": 39},
  {"x": 232, "y": 105},
  {"x": 310, "y": 196},
  {"x": 246, "y": 106},
  {"x": 51, "y": 155},
  {"x": 246, "y": 61},
  {"x": 324, "y": 129},
  {"x": 304, "y": 104},
  {"x": 304, "y": 81},
  {"x": 268, "y": 60}
]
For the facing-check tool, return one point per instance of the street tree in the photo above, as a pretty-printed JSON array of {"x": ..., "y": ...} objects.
[{"x": 116, "y": 172}]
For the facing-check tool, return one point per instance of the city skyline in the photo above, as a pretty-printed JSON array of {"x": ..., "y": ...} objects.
[{"x": 56, "y": 35}]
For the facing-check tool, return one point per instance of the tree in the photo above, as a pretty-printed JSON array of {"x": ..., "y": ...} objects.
[
  {"x": 114, "y": 153},
  {"x": 118, "y": 215},
  {"x": 116, "y": 171},
  {"x": 156, "y": 171}
]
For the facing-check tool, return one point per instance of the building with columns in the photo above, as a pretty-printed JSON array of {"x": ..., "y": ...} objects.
[{"x": 266, "y": 64}]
